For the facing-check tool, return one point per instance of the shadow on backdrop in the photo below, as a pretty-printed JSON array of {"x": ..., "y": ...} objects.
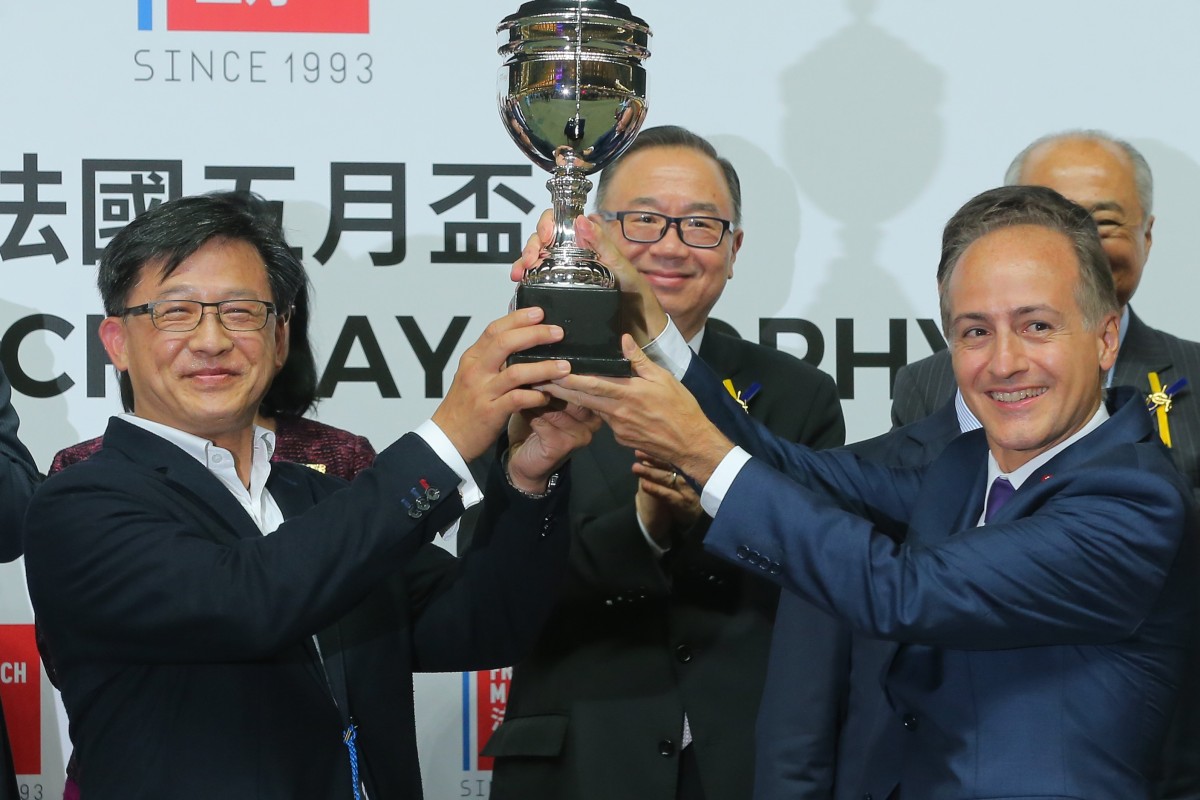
[
  {"x": 1166, "y": 297},
  {"x": 862, "y": 134},
  {"x": 766, "y": 265}
]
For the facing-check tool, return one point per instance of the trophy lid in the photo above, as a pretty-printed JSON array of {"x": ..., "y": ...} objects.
[
  {"x": 611, "y": 8},
  {"x": 538, "y": 25}
]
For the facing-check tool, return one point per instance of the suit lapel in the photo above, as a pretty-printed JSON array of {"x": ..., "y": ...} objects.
[
  {"x": 1142, "y": 352},
  {"x": 229, "y": 521},
  {"x": 603, "y": 463},
  {"x": 1127, "y": 423},
  {"x": 294, "y": 496},
  {"x": 952, "y": 492},
  {"x": 186, "y": 476},
  {"x": 729, "y": 359},
  {"x": 717, "y": 351},
  {"x": 929, "y": 437}
]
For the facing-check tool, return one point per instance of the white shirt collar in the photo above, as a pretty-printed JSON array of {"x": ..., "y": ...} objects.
[
  {"x": 966, "y": 420},
  {"x": 197, "y": 446},
  {"x": 219, "y": 462},
  {"x": 1021, "y": 473}
]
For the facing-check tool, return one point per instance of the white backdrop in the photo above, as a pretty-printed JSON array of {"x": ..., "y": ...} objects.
[{"x": 858, "y": 128}]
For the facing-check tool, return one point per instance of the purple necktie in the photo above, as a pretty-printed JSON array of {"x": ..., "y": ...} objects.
[{"x": 1002, "y": 491}]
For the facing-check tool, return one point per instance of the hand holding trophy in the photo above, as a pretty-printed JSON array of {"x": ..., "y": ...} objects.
[{"x": 572, "y": 94}]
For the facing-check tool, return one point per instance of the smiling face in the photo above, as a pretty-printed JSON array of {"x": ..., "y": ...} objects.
[
  {"x": 209, "y": 381},
  {"x": 1099, "y": 176},
  {"x": 676, "y": 181},
  {"x": 1027, "y": 365}
]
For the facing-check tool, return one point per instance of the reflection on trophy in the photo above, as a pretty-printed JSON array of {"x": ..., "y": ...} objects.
[{"x": 573, "y": 96}]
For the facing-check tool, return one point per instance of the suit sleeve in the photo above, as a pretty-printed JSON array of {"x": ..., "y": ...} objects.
[
  {"x": 132, "y": 568},
  {"x": 1094, "y": 556},
  {"x": 18, "y": 476},
  {"x": 487, "y": 611},
  {"x": 875, "y": 491},
  {"x": 610, "y": 554},
  {"x": 1086, "y": 568}
]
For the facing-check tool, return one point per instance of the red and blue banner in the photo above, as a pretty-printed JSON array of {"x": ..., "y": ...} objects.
[
  {"x": 21, "y": 694},
  {"x": 268, "y": 16},
  {"x": 485, "y": 698}
]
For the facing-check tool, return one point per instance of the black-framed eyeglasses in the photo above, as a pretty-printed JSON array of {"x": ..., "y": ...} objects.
[
  {"x": 180, "y": 316},
  {"x": 647, "y": 227}
]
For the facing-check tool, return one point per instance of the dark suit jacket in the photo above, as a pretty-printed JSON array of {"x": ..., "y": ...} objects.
[
  {"x": 183, "y": 636},
  {"x": 1042, "y": 652},
  {"x": 597, "y": 710},
  {"x": 18, "y": 477},
  {"x": 924, "y": 385},
  {"x": 791, "y": 759}
]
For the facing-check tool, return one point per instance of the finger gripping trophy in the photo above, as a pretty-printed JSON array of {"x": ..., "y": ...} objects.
[{"x": 572, "y": 94}]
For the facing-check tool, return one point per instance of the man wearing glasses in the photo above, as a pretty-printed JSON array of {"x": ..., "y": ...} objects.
[
  {"x": 645, "y": 682},
  {"x": 227, "y": 627}
]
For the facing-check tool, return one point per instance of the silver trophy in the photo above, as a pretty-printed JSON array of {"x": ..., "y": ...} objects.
[{"x": 572, "y": 94}]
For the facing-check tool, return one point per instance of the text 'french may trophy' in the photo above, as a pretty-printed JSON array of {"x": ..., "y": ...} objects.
[{"x": 573, "y": 97}]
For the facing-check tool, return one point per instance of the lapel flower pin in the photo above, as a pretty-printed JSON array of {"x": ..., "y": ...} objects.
[
  {"x": 743, "y": 398},
  {"x": 1160, "y": 400}
]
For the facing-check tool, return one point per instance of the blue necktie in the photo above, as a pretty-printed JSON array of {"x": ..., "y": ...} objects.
[{"x": 1002, "y": 491}]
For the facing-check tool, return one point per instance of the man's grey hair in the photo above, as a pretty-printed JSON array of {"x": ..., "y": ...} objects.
[
  {"x": 1142, "y": 177},
  {"x": 1009, "y": 206}
]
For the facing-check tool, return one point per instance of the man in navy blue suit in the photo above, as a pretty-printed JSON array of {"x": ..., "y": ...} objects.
[{"x": 1039, "y": 587}]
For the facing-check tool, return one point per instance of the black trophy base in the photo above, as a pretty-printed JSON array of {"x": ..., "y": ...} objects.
[{"x": 591, "y": 323}]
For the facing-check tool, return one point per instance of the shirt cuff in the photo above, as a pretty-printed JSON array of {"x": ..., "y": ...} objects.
[
  {"x": 655, "y": 548},
  {"x": 443, "y": 449},
  {"x": 722, "y": 478},
  {"x": 670, "y": 351}
]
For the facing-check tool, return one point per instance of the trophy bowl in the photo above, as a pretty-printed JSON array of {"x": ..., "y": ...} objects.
[{"x": 572, "y": 94}]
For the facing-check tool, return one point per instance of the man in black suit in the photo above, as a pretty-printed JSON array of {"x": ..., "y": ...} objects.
[
  {"x": 1110, "y": 178},
  {"x": 227, "y": 627},
  {"x": 18, "y": 477},
  {"x": 646, "y": 680}
]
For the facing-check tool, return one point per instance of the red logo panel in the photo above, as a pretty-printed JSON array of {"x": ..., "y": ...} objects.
[
  {"x": 21, "y": 693},
  {"x": 492, "y": 700},
  {"x": 281, "y": 16}
]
